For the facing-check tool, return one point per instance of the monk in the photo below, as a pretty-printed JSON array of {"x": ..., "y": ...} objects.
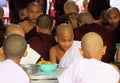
[
  {"x": 71, "y": 10},
  {"x": 64, "y": 37},
  {"x": 43, "y": 40},
  {"x": 14, "y": 47},
  {"x": 90, "y": 69},
  {"x": 34, "y": 9},
  {"x": 32, "y": 56},
  {"x": 113, "y": 17},
  {"x": 87, "y": 25},
  {"x": 62, "y": 52}
]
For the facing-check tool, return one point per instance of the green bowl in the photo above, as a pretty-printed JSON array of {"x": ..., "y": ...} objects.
[{"x": 48, "y": 67}]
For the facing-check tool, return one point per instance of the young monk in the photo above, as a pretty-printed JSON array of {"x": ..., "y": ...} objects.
[
  {"x": 32, "y": 56},
  {"x": 43, "y": 40},
  {"x": 87, "y": 25},
  {"x": 90, "y": 69},
  {"x": 61, "y": 53},
  {"x": 34, "y": 9},
  {"x": 113, "y": 17},
  {"x": 23, "y": 15},
  {"x": 65, "y": 39},
  {"x": 14, "y": 47}
]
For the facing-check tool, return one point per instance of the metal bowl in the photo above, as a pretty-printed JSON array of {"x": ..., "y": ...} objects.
[{"x": 30, "y": 68}]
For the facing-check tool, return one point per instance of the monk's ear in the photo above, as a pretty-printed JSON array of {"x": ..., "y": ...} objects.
[
  {"x": 104, "y": 50},
  {"x": 25, "y": 54},
  {"x": 37, "y": 28},
  {"x": 81, "y": 51},
  {"x": 56, "y": 38}
]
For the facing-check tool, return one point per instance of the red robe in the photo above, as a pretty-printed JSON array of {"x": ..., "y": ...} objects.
[
  {"x": 108, "y": 36},
  {"x": 42, "y": 43}
]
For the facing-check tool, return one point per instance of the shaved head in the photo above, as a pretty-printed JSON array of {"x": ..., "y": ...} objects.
[
  {"x": 44, "y": 21},
  {"x": 14, "y": 29},
  {"x": 112, "y": 10},
  {"x": 14, "y": 46},
  {"x": 92, "y": 43},
  {"x": 64, "y": 28},
  {"x": 35, "y": 4},
  {"x": 85, "y": 17},
  {"x": 70, "y": 7}
]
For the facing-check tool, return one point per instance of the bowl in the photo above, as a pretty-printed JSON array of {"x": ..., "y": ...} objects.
[
  {"x": 48, "y": 67},
  {"x": 30, "y": 68}
]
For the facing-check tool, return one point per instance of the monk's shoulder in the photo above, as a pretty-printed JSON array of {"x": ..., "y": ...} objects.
[{"x": 24, "y": 23}]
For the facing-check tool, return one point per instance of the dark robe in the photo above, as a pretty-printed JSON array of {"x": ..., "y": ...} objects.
[
  {"x": 108, "y": 36},
  {"x": 31, "y": 33},
  {"x": 95, "y": 7},
  {"x": 42, "y": 43},
  {"x": 58, "y": 6},
  {"x": 1, "y": 38},
  {"x": 15, "y": 6},
  {"x": 117, "y": 33},
  {"x": 2, "y": 26}
]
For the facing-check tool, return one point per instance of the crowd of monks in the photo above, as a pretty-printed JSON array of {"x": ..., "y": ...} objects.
[{"x": 42, "y": 40}]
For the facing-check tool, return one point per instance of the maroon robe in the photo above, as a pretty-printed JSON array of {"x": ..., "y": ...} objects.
[
  {"x": 1, "y": 38},
  {"x": 95, "y": 7},
  {"x": 117, "y": 33},
  {"x": 108, "y": 36},
  {"x": 31, "y": 33},
  {"x": 42, "y": 43},
  {"x": 2, "y": 26}
]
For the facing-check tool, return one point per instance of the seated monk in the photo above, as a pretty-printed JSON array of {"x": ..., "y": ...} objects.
[
  {"x": 43, "y": 40},
  {"x": 34, "y": 9},
  {"x": 90, "y": 69},
  {"x": 14, "y": 48},
  {"x": 71, "y": 10},
  {"x": 32, "y": 56},
  {"x": 107, "y": 35},
  {"x": 62, "y": 53}
]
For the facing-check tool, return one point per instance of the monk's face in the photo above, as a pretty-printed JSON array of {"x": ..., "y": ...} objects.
[
  {"x": 114, "y": 19},
  {"x": 34, "y": 12},
  {"x": 23, "y": 14},
  {"x": 65, "y": 40}
]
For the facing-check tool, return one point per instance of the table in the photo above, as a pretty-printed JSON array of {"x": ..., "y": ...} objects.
[{"x": 46, "y": 77}]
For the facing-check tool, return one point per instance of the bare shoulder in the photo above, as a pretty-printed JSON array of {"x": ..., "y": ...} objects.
[
  {"x": 26, "y": 26},
  {"x": 24, "y": 23},
  {"x": 54, "y": 48}
]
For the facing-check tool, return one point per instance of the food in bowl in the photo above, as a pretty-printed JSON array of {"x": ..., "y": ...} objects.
[{"x": 47, "y": 66}]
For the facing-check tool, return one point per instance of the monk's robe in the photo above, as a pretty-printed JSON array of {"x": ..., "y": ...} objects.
[
  {"x": 95, "y": 7},
  {"x": 1, "y": 38},
  {"x": 70, "y": 55},
  {"x": 2, "y": 26},
  {"x": 31, "y": 33},
  {"x": 117, "y": 33},
  {"x": 108, "y": 36},
  {"x": 42, "y": 43}
]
